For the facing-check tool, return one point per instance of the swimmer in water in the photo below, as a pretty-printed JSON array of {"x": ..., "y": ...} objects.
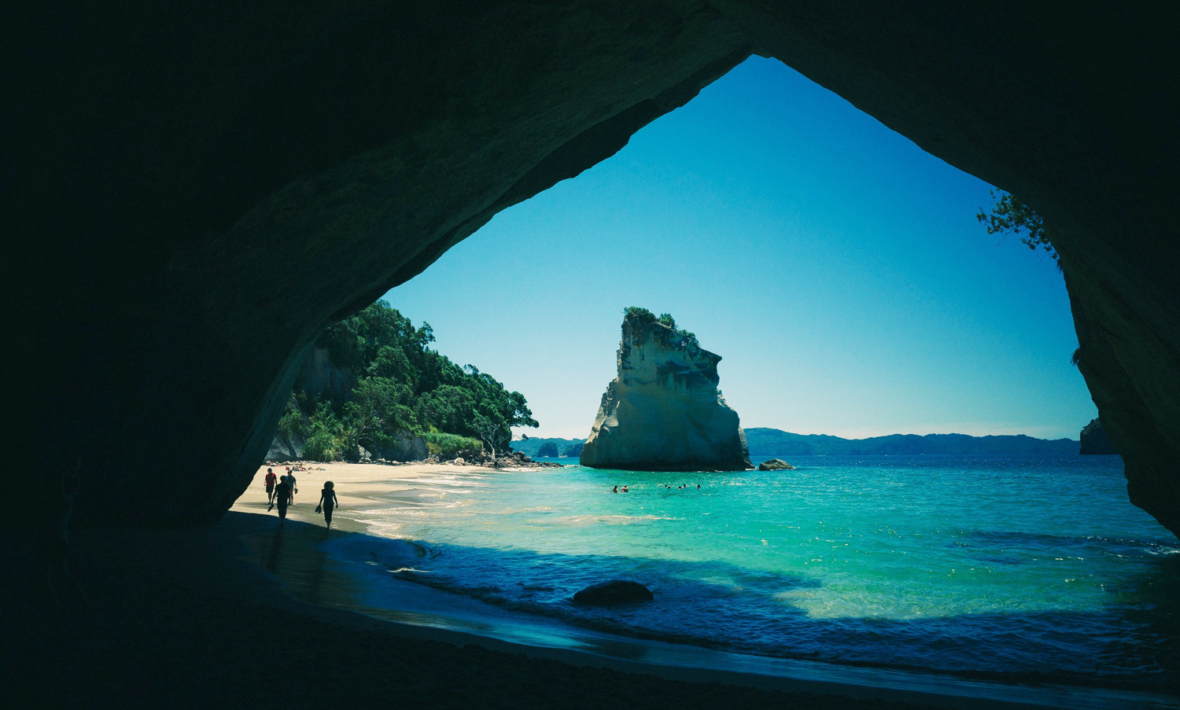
[
  {"x": 625, "y": 489},
  {"x": 615, "y": 489}
]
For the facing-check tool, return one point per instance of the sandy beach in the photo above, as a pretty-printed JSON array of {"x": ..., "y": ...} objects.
[{"x": 356, "y": 484}]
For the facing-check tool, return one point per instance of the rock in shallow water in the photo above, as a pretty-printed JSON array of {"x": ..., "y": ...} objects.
[
  {"x": 775, "y": 465},
  {"x": 617, "y": 591}
]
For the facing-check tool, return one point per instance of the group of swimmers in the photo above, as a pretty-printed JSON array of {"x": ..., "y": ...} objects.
[
  {"x": 682, "y": 487},
  {"x": 281, "y": 492}
]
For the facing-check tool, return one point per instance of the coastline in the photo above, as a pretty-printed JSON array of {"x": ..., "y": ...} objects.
[
  {"x": 178, "y": 618},
  {"x": 209, "y": 612},
  {"x": 345, "y": 575}
]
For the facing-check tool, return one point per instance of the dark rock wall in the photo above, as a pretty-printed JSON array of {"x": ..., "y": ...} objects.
[
  {"x": 191, "y": 191},
  {"x": 1095, "y": 442}
]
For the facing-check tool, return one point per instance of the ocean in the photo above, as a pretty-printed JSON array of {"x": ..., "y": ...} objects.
[{"x": 1017, "y": 569}]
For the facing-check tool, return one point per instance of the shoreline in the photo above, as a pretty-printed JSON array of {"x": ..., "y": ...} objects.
[
  {"x": 192, "y": 611},
  {"x": 424, "y": 605},
  {"x": 179, "y": 618}
]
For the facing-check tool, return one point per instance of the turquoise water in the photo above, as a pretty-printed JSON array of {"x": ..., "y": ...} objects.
[{"x": 1018, "y": 569}]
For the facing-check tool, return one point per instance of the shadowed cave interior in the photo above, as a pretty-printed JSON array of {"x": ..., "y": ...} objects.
[{"x": 175, "y": 172}]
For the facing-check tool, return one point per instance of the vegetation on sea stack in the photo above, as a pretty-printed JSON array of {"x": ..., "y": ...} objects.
[
  {"x": 403, "y": 388},
  {"x": 636, "y": 314}
]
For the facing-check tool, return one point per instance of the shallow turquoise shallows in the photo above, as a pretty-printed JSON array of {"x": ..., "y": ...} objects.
[{"x": 1021, "y": 567}]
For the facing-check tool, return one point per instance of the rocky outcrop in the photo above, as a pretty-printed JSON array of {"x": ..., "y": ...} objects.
[
  {"x": 775, "y": 465},
  {"x": 285, "y": 447},
  {"x": 1095, "y": 442},
  {"x": 237, "y": 180},
  {"x": 663, "y": 412},
  {"x": 405, "y": 448},
  {"x": 619, "y": 591}
]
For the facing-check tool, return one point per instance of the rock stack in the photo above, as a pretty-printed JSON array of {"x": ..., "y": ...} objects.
[{"x": 663, "y": 412}]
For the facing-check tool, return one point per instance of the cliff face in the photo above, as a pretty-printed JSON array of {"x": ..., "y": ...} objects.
[
  {"x": 1095, "y": 442},
  {"x": 664, "y": 412}
]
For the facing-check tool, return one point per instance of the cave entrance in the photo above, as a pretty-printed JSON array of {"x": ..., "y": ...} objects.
[
  {"x": 837, "y": 267},
  {"x": 843, "y": 276}
]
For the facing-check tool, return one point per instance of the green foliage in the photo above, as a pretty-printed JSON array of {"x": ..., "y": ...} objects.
[
  {"x": 641, "y": 314},
  {"x": 1011, "y": 216},
  {"x": 326, "y": 440},
  {"x": 645, "y": 316},
  {"x": 492, "y": 430},
  {"x": 449, "y": 446},
  {"x": 548, "y": 449},
  {"x": 403, "y": 387},
  {"x": 291, "y": 422}
]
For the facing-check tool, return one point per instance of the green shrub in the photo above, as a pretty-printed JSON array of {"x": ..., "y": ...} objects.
[
  {"x": 292, "y": 420},
  {"x": 322, "y": 446},
  {"x": 449, "y": 446},
  {"x": 639, "y": 313}
]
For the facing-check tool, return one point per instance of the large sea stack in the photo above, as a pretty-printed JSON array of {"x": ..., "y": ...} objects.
[{"x": 663, "y": 412}]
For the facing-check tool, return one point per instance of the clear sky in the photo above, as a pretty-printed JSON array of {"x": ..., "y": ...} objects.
[{"x": 837, "y": 268}]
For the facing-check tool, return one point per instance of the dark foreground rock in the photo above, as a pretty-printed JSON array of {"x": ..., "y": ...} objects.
[
  {"x": 775, "y": 465},
  {"x": 1095, "y": 442},
  {"x": 618, "y": 591}
]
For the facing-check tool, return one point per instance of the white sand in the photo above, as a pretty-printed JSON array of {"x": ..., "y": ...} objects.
[{"x": 356, "y": 485}]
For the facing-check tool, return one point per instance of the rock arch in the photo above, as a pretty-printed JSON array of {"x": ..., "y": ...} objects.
[{"x": 192, "y": 191}]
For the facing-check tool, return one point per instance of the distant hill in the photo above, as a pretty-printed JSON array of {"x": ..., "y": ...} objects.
[
  {"x": 774, "y": 442},
  {"x": 531, "y": 446}
]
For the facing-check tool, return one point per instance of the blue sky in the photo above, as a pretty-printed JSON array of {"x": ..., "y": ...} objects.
[{"x": 837, "y": 268}]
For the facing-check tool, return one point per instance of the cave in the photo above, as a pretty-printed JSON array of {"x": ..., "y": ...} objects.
[{"x": 194, "y": 191}]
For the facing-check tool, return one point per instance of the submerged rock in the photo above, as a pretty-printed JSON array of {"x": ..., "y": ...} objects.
[
  {"x": 617, "y": 591},
  {"x": 663, "y": 412},
  {"x": 775, "y": 465}
]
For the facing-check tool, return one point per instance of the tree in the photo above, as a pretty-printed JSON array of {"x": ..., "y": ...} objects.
[
  {"x": 1011, "y": 216},
  {"x": 492, "y": 431},
  {"x": 548, "y": 449},
  {"x": 403, "y": 386},
  {"x": 377, "y": 412}
]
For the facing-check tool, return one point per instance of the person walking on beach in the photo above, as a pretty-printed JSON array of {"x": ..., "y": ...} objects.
[
  {"x": 282, "y": 498},
  {"x": 328, "y": 502},
  {"x": 294, "y": 490},
  {"x": 271, "y": 481}
]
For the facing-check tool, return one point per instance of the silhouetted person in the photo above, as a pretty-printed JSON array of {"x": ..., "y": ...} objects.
[
  {"x": 282, "y": 498},
  {"x": 55, "y": 546},
  {"x": 328, "y": 501},
  {"x": 294, "y": 490},
  {"x": 271, "y": 482}
]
